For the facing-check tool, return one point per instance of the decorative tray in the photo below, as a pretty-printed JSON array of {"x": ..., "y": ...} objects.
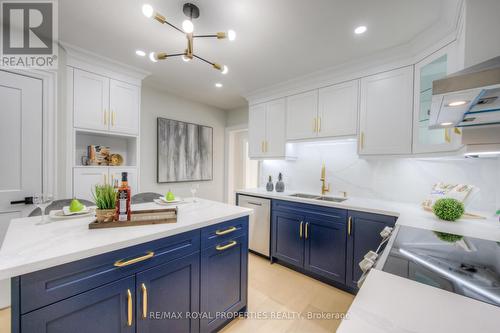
[{"x": 141, "y": 217}]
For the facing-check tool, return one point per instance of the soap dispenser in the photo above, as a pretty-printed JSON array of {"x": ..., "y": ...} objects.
[
  {"x": 269, "y": 185},
  {"x": 280, "y": 186}
]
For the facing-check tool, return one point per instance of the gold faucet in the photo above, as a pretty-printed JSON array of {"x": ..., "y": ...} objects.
[{"x": 325, "y": 187}]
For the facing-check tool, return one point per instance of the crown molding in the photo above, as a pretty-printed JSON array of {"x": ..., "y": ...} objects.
[{"x": 81, "y": 58}]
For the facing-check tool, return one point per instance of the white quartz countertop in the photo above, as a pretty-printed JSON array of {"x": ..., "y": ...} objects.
[
  {"x": 29, "y": 247},
  {"x": 389, "y": 303}
]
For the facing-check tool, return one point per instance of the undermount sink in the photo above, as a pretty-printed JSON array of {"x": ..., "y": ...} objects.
[{"x": 318, "y": 197}]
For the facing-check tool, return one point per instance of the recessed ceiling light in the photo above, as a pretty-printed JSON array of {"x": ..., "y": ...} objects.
[
  {"x": 152, "y": 57},
  {"x": 446, "y": 124},
  {"x": 140, "y": 53},
  {"x": 218, "y": 85},
  {"x": 359, "y": 30},
  {"x": 457, "y": 103},
  {"x": 225, "y": 70}
]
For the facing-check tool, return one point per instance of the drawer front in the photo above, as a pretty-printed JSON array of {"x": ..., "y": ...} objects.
[
  {"x": 53, "y": 284},
  {"x": 221, "y": 232},
  {"x": 316, "y": 211}
]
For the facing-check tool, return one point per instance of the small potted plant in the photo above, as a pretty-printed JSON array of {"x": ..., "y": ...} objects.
[
  {"x": 448, "y": 209},
  {"x": 105, "y": 200}
]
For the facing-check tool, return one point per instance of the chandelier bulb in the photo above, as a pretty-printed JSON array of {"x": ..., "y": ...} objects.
[
  {"x": 187, "y": 26},
  {"x": 147, "y": 10}
]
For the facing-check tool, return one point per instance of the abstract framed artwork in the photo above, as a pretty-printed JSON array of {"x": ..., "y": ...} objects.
[{"x": 184, "y": 151}]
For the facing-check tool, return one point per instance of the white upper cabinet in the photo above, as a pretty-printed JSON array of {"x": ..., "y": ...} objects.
[
  {"x": 302, "y": 115},
  {"x": 124, "y": 107},
  {"x": 434, "y": 67},
  {"x": 90, "y": 100},
  {"x": 338, "y": 110},
  {"x": 105, "y": 104},
  {"x": 256, "y": 130},
  {"x": 386, "y": 115},
  {"x": 266, "y": 130}
]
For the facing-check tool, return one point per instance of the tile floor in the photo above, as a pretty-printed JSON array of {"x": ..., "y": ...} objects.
[{"x": 277, "y": 291}]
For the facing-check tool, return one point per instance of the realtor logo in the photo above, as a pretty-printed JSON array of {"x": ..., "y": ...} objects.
[{"x": 29, "y": 34}]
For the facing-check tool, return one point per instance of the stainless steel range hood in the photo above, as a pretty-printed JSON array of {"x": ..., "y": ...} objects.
[{"x": 468, "y": 98}]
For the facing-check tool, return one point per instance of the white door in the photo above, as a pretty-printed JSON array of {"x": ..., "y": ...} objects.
[
  {"x": 256, "y": 130},
  {"x": 386, "y": 113},
  {"x": 21, "y": 144},
  {"x": 115, "y": 174},
  {"x": 124, "y": 107},
  {"x": 338, "y": 110},
  {"x": 301, "y": 115},
  {"x": 275, "y": 129},
  {"x": 85, "y": 178},
  {"x": 90, "y": 100}
]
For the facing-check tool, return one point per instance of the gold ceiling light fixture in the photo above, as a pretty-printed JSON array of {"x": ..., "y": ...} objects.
[{"x": 192, "y": 12}]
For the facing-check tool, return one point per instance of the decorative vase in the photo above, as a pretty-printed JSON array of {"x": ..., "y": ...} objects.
[
  {"x": 269, "y": 185},
  {"x": 105, "y": 215},
  {"x": 280, "y": 186}
]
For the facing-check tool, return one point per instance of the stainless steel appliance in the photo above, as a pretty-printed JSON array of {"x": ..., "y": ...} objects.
[
  {"x": 259, "y": 224},
  {"x": 459, "y": 264}
]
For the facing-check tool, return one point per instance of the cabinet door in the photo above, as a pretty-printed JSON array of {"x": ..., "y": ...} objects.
[
  {"x": 301, "y": 115},
  {"x": 85, "y": 178},
  {"x": 275, "y": 129},
  {"x": 426, "y": 140},
  {"x": 287, "y": 238},
  {"x": 224, "y": 276},
  {"x": 256, "y": 130},
  {"x": 124, "y": 107},
  {"x": 115, "y": 174},
  {"x": 90, "y": 100},
  {"x": 386, "y": 113},
  {"x": 107, "y": 309},
  {"x": 363, "y": 235},
  {"x": 325, "y": 251},
  {"x": 171, "y": 288},
  {"x": 338, "y": 110}
]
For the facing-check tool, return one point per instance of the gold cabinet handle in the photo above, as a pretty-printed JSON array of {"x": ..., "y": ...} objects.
[
  {"x": 225, "y": 247},
  {"x": 300, "y": 229},
  {"x": 319, "y": 124},
  {"x": 349, "y": 225},
  {"x": 262, "y": 146},
  {"x": 129, "y": 307},
  {"x": 225, "y": 232},
  {"x": 315, "y": 128},
  {"x": 362, "y": 140},
  {"x": 113, "y": 118},
  {"x": 307, "y": 230},
  {"x": 105, "y": 117},
  {"x": 144, "y": 301},
  {"x": 457, "y": 131},
  {"x": 447, "y": 137},
  {"x": 121, "y": 263},
  {"x": 266, "y": 146}
]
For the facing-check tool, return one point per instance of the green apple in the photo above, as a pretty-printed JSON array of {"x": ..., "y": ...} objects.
[
  {"x": 170, "y": 196},
  {"x": 75, "y": 206}
]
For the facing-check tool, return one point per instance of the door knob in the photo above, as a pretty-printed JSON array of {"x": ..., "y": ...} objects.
[{"x": 26, "y": 201}]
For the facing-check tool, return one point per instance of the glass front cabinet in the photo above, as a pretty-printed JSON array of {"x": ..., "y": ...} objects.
[{"x": 433, "y": 67}]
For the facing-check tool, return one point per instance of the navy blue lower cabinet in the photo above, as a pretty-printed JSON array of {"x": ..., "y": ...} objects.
[
  {"x": 287, "y": 239},
  {"x": 106, "y": 309},
  {"x": 224, "y": 276},
  {"x": 363, "y": 235},
  {"x": 325, "y": 251},
  {"x": 168, "y": 297}
]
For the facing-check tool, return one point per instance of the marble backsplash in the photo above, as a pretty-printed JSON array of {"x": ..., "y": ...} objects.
[{"x": 395, "y": 179}]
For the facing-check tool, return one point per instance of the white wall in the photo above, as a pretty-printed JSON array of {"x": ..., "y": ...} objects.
[
  {"x": 156, "y": 103},
  {"x": 237, "y": 117},
  {"x": 402, "y": 179}
]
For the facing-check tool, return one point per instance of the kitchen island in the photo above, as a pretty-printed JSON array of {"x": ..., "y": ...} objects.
[{"x": 188, "y": 276}]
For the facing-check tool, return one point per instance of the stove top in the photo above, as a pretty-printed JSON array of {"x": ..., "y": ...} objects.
[{"x": 459, "y": 264}]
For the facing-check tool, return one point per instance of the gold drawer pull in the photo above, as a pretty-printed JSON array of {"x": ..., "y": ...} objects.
[
  {"x": 307, "y": 230},
  {"x": 300, "y": 229},
  {"x": 349, "y": 225},
  {"x": 225, "y": 247},
  {"x": 225, "y": 232},
  {"x": 144, "y": 301},
  {"x": 129, "y": 308},
  {"x": 121, "y": 263}
]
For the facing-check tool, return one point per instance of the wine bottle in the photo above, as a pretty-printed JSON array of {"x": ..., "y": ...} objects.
[{"x": 123, "y": 200}]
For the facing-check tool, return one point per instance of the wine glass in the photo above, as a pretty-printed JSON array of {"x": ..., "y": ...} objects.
[
  {"x": 42, "y": 201},
  {"x": 194, "y": 189}
]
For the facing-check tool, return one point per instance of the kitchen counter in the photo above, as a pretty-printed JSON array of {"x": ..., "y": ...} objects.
[
  {"x": 389, "y": 303},
  {"x": 29, "y": 247}
]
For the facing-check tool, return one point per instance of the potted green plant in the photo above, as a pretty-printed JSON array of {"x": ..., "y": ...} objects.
[
  {"x": 448, "y": 209},
  {"x": 105, "y": 200}
]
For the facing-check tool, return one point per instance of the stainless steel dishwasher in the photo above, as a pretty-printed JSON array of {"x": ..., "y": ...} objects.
[{"x": 260, "y": 223}]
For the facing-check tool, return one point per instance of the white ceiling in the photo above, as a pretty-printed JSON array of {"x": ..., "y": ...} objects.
[{"x": 277, "y": 40}]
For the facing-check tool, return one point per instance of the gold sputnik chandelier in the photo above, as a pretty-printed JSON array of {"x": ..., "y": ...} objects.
[{"x": 192, "y": 12}]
